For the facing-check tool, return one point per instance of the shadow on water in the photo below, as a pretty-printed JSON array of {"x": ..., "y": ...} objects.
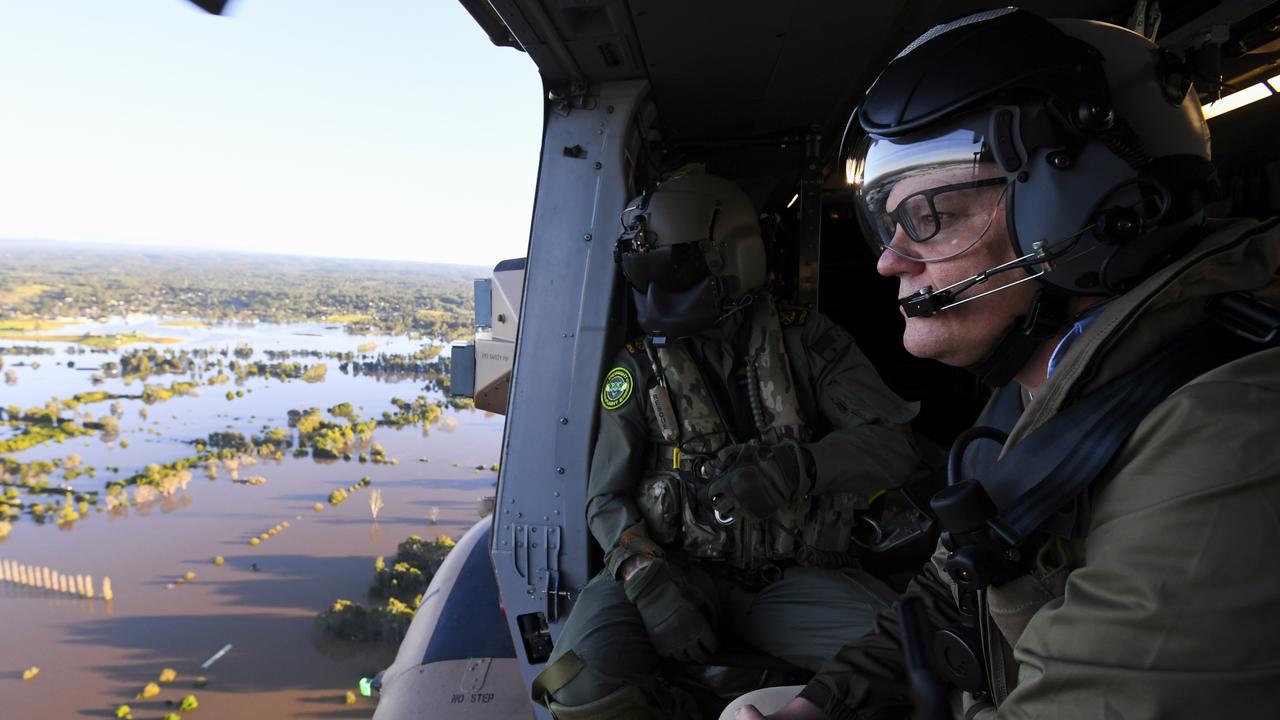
[
  {"x": 469, "y": 501},
  {"x": 463, "y": 484},
  {"x": 253, "y": 665},
  {"x": 268, "y": 517},
  {"x": 421, "y": 526},
  {"x": 279, "y": 581},
  {"x": 360, "y": 497},
  {"x": 341, "y": 710}
]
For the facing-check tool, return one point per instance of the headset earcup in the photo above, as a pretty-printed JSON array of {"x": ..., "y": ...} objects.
[{"x": 1061, "y": 207}]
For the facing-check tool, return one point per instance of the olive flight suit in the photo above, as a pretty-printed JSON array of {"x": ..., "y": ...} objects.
[
  {"x": 769, "y": 585},
  {"x": 1155, "y": 596}
]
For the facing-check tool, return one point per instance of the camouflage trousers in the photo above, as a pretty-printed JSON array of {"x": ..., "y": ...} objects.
[{"x": 803, "y": 618}]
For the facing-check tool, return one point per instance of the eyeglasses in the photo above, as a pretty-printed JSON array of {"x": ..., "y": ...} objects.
[{"x": 918, "y": 215}]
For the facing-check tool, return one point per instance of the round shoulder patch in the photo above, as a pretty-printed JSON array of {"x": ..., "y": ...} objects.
[{"x": 616, "y": 390}]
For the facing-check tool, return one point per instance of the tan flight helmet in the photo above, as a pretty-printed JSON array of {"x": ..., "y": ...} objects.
[{"x": 692, "y": 252}]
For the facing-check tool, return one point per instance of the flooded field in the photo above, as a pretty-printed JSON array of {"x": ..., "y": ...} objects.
[{"x": 263, "y": 599}]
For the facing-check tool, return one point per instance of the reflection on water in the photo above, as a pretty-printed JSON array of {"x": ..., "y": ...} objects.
[{"x": 262, "y": 599}]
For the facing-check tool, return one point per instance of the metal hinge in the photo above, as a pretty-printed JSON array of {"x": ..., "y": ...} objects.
[
  {"x": 536, "y": 556},
  {"x": 577, "y": 98}
]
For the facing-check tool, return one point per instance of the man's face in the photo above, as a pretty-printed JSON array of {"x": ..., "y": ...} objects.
[{"x": 972, "y": 224}]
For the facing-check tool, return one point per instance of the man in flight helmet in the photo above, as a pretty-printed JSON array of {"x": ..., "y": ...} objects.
[
  {"x": 737, "y": 447},
  {"x": 1037, "y": 188}
]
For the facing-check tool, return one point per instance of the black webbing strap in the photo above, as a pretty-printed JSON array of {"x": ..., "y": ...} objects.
[
  {"x": 1047, "y": 315},
  {"x": 1058, "y": 461},
  {"x": 555, "y": 676},
  {"x": 716, "y": 390}
]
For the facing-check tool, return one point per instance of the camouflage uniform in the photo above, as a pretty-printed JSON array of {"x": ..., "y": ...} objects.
[{"x": 759, "y": 580}]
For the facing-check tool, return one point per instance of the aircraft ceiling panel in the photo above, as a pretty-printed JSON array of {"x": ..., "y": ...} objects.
[
  {"x": 741, "y": 69},
  {"x": 724, "y": 70},
  {"x": 733, "y": 68},
  {"x": 817, "y": 69},
  {"x": 729, "y": 68}
]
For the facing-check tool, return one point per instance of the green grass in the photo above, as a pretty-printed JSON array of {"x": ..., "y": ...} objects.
[
  {"x": 19, "y": 293},
  {"x": 345, "y": 318},
  {"x": 95, "y": 341},
  {"x": 185, "y": 323},
  {"x": 19, "y": 325}
]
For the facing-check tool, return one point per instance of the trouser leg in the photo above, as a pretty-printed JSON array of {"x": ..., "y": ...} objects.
[
  {"x": 628, "y": 703},
  {"x": 603, "y": 662},
  {"x": 809, "y": 614}
]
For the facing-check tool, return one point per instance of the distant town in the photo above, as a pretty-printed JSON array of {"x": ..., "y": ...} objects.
[{"x": 47, "y": 281}]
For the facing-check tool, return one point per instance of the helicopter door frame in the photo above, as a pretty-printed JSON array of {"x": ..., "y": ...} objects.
[{"x": 540, "y": 544}]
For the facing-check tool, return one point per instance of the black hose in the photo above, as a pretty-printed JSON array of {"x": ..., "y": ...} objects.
[{"x": 955, "y": 460}]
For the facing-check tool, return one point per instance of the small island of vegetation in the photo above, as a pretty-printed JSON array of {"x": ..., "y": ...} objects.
[{"x": 395, "y": 594}]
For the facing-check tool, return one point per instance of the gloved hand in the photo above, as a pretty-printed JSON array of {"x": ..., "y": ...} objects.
[
  {"x": 756, "y": 480},
  {"x": 676, "y": 625}
]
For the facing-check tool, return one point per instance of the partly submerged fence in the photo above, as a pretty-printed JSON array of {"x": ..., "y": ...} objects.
[{"x": 44, "y": 578}]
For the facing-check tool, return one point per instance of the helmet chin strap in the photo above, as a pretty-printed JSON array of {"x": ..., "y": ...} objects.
[
  {"x": 737, "y": 306},
  {"x": 1045, "y": 317}
]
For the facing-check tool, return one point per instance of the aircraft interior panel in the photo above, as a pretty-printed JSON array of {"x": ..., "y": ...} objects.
[{"x": 639, "y": 89}]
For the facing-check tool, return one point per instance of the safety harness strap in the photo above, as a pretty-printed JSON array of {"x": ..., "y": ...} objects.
[
  {"x": 555, "y": 676},
  {"x": 1047, "y": 315},
  {"x": 1058, "y": 461}
]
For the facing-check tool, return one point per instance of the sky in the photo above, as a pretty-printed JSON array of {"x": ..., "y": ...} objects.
[{"x": 379, "y": 129}]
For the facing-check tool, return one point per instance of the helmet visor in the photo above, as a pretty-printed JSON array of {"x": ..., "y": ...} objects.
[
  {"x": 669, "y": 267},
  {"x": 926, "y": 197}
]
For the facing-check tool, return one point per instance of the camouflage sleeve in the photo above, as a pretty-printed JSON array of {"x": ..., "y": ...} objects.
[
  {"x": 866, "y": 680},
  {"x": 617, "y": 463},
  {"x": 870, "y": 446}
]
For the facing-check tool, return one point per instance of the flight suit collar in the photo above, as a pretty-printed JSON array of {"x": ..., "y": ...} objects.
[{"x": 1233, "y": 255}]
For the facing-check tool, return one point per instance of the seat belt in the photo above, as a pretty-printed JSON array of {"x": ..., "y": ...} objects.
[
  {"x": 986, "y": 519},
  {"x": 1087, "y": 435}
]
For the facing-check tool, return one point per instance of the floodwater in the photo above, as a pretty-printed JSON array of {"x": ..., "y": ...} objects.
[{"x": 94, "y": 656}]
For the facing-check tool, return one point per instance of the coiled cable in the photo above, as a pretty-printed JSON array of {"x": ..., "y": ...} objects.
[{"x": 753, "y": 397}]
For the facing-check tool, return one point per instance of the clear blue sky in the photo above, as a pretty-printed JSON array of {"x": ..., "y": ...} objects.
[{"x": 349, "y": 128}]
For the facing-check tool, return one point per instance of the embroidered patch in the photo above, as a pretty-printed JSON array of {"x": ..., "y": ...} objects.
[
  {"x": 831, "y": 344},
  {"x": 616, "y": 390},
  {"x": 787, "y": 318}
]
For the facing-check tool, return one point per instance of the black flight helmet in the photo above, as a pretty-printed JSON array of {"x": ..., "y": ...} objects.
[{"x": 692, "y": 252}]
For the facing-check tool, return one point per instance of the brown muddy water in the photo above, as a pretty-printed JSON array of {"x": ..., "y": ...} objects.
[{"x": 94, "y": 656}]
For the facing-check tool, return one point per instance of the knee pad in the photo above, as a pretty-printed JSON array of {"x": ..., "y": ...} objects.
[{"x": 627, "y": 703}]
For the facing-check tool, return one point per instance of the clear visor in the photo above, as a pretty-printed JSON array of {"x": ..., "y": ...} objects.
[{"x": 927, "y": 197}]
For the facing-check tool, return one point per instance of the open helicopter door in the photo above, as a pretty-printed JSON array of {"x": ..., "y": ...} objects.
[
  {"x": 540, "y": 541},
  {"x": 539, "y": 552}
]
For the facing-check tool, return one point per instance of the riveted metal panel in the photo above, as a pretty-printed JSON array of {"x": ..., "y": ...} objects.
[{"x": 564, "y": 338}]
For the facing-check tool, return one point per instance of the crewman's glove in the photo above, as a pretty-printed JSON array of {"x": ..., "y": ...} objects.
[
  {"x": 755, "y": 480},
  {"x": 677, "y": 627}
]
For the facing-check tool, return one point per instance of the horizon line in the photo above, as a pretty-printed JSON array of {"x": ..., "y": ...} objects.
[{"x": 127, "y": 246}]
